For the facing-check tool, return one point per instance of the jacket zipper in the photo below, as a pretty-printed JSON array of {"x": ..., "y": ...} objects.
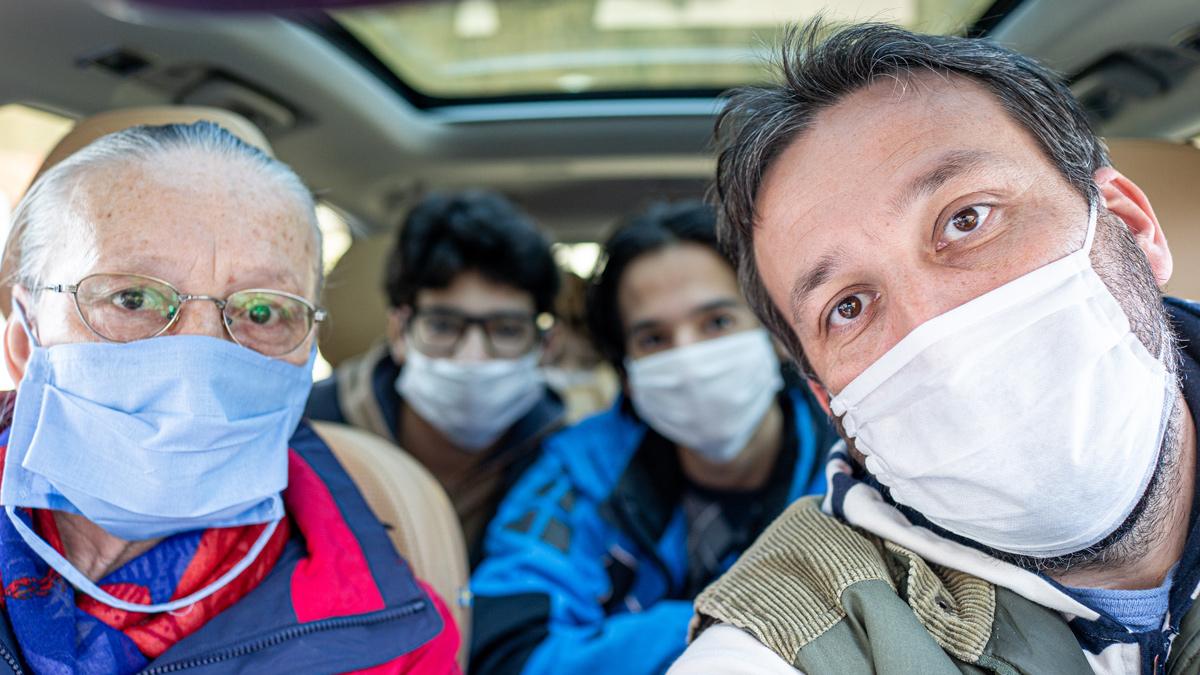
[
  {"x": 11, "y": 660},
  {"x": 645, "y": 541},
  {"x": 288, "y": 634}
]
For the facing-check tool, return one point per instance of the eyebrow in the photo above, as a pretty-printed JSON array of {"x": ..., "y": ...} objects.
[
  {"x": 451, "y": 310},
  {"x": 947, "y": 167},
  {"x": 276, "y": 276},
  {"x": 813, "y": 279},
  {"x": 721, "y": 303},
  {"x": 161, "y": 268}
]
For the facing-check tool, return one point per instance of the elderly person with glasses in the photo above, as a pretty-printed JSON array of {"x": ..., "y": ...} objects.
[{"x": 165, "y": 506}]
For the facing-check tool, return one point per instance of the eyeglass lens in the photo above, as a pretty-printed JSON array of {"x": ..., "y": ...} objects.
[
  {"x": 124, "y": 308},
  {"x": 439, "y": 333}
]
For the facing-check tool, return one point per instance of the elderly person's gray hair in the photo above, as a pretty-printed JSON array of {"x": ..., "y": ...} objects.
[{"x": 43, "y": 220}]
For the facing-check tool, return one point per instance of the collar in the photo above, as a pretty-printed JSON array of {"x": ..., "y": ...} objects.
[
  {"x": 650, "y": 489},
  {"x": 855, "y": 497}
]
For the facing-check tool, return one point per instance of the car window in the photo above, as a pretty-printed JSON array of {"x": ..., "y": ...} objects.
[{"x": 490, "y": 48}]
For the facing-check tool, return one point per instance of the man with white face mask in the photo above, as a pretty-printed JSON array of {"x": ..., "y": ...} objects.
[
  {"x": 595, "y": 556},
  {"x": 471, "y": 283},
  {"x": 937, "y": 235}
]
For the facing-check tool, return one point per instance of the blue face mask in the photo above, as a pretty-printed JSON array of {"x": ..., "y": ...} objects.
[
  {"x": 152, "y": 438},
  {"x": 155, "y": 437}
]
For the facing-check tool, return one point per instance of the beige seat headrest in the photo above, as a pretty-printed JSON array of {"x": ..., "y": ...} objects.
[
  {"x": 419, "y": 517},
  {"x": 1168, "y": 173},
  {"x": 91, "y": 128}
]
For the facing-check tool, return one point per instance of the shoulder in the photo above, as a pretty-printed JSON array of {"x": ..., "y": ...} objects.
[
  {"x": 557, "y": 501},
  {"x": 355, "y": 377},
  {"x": 595, "y": 451},
  {"x": 323, "y": 402},
  {"x": 814, "y": 436},
  {"x": 725, "y": 650},
  {"x": 1185, "y": 304},
  {"x": 794, "y": 573},
  {"x": 1186, "y": 314},
  {"x": 815, "y": 590}
]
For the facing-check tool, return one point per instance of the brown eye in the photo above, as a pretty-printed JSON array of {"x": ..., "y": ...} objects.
[
  {"x": 849, "y": 307},
  {"x": 965, "y": 222}
]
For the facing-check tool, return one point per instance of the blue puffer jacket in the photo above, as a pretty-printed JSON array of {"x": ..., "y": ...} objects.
[{"x": 586, "y": 563}]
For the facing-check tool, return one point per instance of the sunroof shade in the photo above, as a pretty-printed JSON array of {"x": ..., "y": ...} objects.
[{"x": 464, "y": 49}]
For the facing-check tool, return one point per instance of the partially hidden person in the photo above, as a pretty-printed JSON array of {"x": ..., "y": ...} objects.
[
  {"x": 471, "y": 284},
  {"x": 592, "y": 563}
]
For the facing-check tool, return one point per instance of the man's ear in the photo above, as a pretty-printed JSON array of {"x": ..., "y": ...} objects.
[
  {"x": 820, "y": 393},
  {"x": 1126, "y": 200},
  {"x": 17, "y": 345},
  {"x": 397, "y": 324}
]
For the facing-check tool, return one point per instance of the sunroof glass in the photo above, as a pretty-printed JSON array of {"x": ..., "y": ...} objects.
[{"x": 501, "y": 48}]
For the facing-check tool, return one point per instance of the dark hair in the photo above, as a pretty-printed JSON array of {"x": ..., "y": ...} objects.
[
  {"x": 658, "y": 227},
  {"x": 447, "y": 234},
  {"x": 821, "y": 65}
]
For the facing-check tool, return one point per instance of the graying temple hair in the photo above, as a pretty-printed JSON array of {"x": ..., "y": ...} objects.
[
  {"x": 821, "y": 65},
  {"x": 40, "y": 227}
]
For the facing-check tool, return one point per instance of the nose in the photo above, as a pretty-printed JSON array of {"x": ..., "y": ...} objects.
[
  {"x": 473, "y": 347},
  {"x": 201, "y": 316},
  {"x": 913, "y": 303},
  {"x": 686, "y": 335}
]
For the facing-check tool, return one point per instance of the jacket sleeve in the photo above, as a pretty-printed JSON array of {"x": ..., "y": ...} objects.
[{"x": 540, "y": 591}]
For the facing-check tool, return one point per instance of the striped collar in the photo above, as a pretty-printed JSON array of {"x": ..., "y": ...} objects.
[{"x": 858, "y": 499}]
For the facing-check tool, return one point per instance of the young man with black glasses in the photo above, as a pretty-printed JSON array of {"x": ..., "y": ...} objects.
[{"x": 471, "y": 283}]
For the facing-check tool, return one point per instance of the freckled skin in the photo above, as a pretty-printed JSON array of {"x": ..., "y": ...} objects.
[
  {"x": 834, "y": 195},
  {"x": 206, "y": 225},
  {"x": 832, "y": 189}
]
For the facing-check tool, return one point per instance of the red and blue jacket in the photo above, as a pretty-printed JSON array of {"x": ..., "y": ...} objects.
[{"x": 339, "y": 598}]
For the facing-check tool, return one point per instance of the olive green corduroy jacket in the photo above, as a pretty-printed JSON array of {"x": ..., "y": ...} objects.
[{"x": 828, "y": 597}]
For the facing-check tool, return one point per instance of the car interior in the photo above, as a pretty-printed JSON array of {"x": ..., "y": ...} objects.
[{"x": 581, "y": 111}]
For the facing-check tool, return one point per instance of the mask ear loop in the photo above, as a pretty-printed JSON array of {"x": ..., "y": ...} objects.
[
  {"x": 1093, "y": 216},
  {"x": 80, "y": 581},
  {"x": 18, "y": 313},
  {"x": 1169, "y": 394}
]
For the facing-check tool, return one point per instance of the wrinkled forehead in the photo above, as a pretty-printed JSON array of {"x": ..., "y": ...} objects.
[
  {"x": 188, "y": 216},
  {"x": 850, "y": 154},
  {"x": 844, "y": 180}
]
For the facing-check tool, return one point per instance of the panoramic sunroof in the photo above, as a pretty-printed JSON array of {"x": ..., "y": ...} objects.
[{"x": 493, "y": 49}]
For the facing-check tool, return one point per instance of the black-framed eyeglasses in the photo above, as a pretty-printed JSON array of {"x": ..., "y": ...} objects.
[
  {"x": 128, "y": 307},
  {"x": 507, "y": 335}
]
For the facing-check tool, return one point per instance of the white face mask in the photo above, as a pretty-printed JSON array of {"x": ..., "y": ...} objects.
[
  {"x": 710, "y": 396},
  {"x": 1028, "y": 419},
  {"x": 472, "y": 403}
]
